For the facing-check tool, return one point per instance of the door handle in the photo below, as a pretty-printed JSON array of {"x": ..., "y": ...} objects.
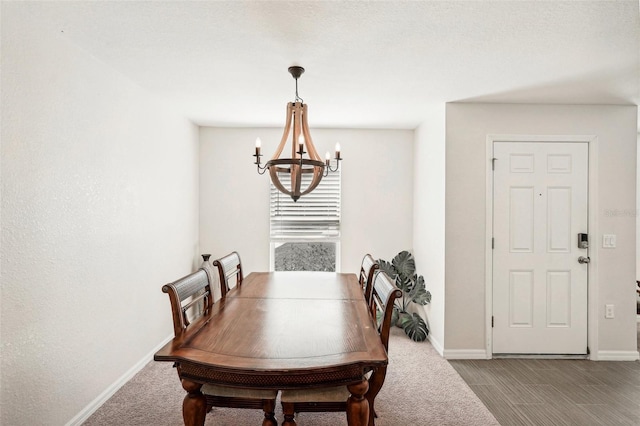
[{"x": 583, "y": 259}]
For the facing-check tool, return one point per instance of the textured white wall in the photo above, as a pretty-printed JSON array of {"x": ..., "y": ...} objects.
[
  {"x": 429, "y": 217},
  {"x": 377, "y": 190},
  {"x": 99, "y": 209},
  {"x": 466, "y": 130}
]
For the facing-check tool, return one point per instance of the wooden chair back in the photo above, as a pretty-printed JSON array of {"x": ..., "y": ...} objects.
[
  {"x": 230, "y": 272},
  {"x": 367, "y": 272},
  {"x": 383, "y": 298},
  {"x": 190, "y": 298}
]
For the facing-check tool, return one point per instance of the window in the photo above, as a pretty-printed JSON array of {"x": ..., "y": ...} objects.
[{"x": 305, "y": 235}]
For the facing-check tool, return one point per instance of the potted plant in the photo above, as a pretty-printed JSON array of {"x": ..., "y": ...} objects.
[{"x": 403, "y": 269}]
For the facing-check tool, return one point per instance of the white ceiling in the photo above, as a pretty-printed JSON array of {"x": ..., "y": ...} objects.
[{"x": 368, "y": 64}]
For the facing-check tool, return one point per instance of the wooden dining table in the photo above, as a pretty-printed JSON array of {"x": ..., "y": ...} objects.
[{"x": 282, "y": 330}]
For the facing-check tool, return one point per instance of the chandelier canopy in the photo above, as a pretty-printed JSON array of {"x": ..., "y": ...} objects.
[{"x": 297, "y": 165}]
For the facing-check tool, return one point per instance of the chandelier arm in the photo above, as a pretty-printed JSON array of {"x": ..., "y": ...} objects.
[
  {"x": 262, "y": 169},
  {"x": 311, "y": 149},
  {"x": 318, "y": 168},
  {"x": 297, "y": 112},
  {"x": 285, "y": 135},
  {"x": 296, "y": 180},
  {"x": 317, "y": 177},
  {"x": 296, "y": 153},
  {"x": 331, "y": 169},
  {"x": 276, "y": 181}
]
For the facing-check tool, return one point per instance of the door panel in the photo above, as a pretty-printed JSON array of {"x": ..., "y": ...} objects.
[
  {"x": 521, "y": 202},
  {"x": 521, "y": 298},
  {"x": 539, "y": 288}
]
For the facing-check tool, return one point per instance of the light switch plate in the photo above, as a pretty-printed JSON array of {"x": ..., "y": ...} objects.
[{"x": 609, "y": 241}]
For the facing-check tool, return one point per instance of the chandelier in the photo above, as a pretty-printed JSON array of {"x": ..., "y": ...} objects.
[{"x": 297, "y": 165}]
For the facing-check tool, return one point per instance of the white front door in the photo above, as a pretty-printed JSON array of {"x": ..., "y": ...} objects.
[{"x": 539, "y": 287}]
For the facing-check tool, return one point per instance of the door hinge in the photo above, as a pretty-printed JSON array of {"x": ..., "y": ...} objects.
[
  {"x": 493, "y": 243},
  {"x": 493, "y": 163},
  {"x": 491, "y": 321}
]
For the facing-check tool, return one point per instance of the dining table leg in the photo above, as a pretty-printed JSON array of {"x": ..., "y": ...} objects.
[
  {"x": 357, "y": 404},
  {"x": 194, "y": 405}
]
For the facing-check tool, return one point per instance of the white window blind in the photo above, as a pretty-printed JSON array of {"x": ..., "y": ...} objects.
[{"x": 314, "y": 216}]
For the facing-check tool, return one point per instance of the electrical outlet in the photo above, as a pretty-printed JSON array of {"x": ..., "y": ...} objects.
[{"x": 608, "y": 311}]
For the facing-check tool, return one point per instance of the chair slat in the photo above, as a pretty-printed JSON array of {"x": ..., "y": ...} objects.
[
  {"x": 191, "y": 284},
  {"x": 367, "y": 271},
  {"x": 194, "y": 287},
  {"x": 195, "y": 300},
  {"x": 229, "y": 267}
]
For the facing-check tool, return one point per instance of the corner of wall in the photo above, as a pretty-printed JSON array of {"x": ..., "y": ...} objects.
[{"x": 429, "y": 215}]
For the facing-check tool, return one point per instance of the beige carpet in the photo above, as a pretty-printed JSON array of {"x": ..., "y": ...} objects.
[{"x": 421, "y": 389}]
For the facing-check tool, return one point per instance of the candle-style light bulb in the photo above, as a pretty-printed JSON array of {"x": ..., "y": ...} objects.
[
  {"x": 327, "y": 159},
  {"x": 258, "y": 145},
  {"x": 301, "y": 144},
  {"x": 338, "y": 151}
]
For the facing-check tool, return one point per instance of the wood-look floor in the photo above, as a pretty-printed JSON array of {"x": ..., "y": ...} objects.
[{"x": 556, "y": 392}]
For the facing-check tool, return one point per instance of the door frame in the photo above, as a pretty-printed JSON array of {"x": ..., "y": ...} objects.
[{"x": 592, "y": 207}]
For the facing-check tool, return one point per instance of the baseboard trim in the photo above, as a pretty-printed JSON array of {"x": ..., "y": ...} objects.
[
  {"x": 91, "y": 408},
  {"x": 436, "y": 345},
  {"x": 618, "y": 355},
  {"x": 465, "y": 354}
]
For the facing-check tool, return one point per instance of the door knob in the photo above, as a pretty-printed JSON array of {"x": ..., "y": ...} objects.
[{"x": 583, "y": 259}]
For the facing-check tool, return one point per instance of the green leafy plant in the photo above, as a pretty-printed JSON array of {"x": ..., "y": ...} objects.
[{"x": 403, "y": 269}]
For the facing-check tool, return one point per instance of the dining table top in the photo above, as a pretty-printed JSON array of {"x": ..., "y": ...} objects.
[{"x": 282, "y": 330}]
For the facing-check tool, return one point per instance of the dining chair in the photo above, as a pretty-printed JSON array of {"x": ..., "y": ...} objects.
[
  {"x": 230, "y": 272},
  {"x": 335, "y": 398},
  {"x": 191, "y": 303},
  {"x": 368, "y": 270}
]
